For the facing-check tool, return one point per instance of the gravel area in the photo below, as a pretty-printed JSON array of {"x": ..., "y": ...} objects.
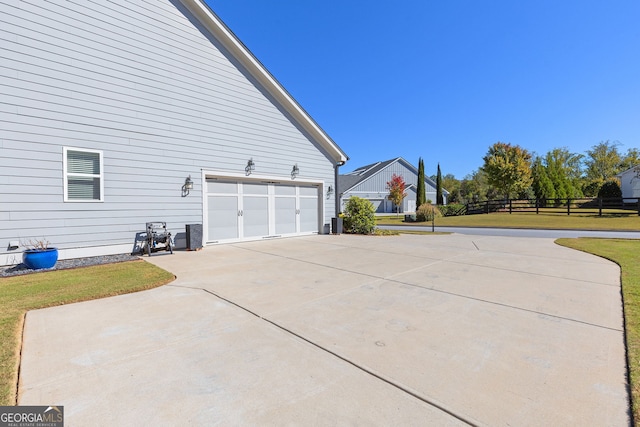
[{"x": 15, "y": 270}]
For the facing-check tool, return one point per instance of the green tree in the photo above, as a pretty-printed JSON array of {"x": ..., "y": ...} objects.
[
  {"x": 603, "y": 161},
  {"x": 542, "y": 185},
  {"x": 439, "y": 198},
  {"x": 359, "y": 216},
  {"x": 475, "y": 188},
  {"x": 396, "y": 189},
  {"x": 452, "y": 185},
  {"x": 421, "y": 191},
  {"x": 610, "y": 189},
  {"x": 563, "y": 169},
  {"x": 508, "y": 168},
  {"x": 630, "y": 159}
]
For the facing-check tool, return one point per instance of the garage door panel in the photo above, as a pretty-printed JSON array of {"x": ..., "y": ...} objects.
[
  {"x": 225, "y": 187},
  {"x": 255, "y": 216},
  {"x": 285, "y": 215},
  {"x": 223, "y": 217},
  {"x": 308, "y": 215},
  {"x": 253, "y": 209}
]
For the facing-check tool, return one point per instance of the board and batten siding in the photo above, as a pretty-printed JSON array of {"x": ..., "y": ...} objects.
[
  {"x": 375, "y": 187},
  {"x": 146, "y": 84}
]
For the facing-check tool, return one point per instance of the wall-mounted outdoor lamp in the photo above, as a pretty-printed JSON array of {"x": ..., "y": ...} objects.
[
  {"x": 329, "y": 192},
  {"x": 250, "y": 167},
  {"x": 188, "y": 186},
  {"x": 295, "y": 171}
]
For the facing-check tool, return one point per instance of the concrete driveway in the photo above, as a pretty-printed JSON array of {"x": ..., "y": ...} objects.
[{"x": 344, "y": 330}]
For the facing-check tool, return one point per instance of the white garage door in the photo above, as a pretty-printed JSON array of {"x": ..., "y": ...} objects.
[{"x": 239, "y": 210}]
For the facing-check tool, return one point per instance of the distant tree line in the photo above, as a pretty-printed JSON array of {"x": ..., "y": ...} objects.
[{"x": 512, "y": 171}]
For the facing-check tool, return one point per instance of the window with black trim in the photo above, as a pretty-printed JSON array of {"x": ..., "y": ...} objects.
[{"x": 83, "y": 175}]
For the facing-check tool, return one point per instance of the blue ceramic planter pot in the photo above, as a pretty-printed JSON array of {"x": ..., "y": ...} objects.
[{"x": 37, "y": 259}]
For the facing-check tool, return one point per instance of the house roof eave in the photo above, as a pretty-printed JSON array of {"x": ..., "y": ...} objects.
[{"x": 242, "y": 54}]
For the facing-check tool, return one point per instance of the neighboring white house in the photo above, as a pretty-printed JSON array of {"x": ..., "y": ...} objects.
[
  {"x": 370, "y": 182},
  {"x": 107, "y": 110},
  {"x": 630, "y": 182}
]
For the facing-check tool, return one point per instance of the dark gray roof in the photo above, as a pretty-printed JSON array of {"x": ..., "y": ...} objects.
[{"x": 351, "y": 179}]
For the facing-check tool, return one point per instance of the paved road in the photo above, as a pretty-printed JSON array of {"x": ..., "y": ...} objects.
[
  {"x": 344, "y": 330},
  {"x": 518, "y": 232}
]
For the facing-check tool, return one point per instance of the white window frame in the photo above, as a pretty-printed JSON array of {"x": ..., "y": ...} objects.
[{"x": 66, "y": 175}]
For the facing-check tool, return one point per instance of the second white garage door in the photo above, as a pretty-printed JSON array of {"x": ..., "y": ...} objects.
[{"x": 239, "y": 210}]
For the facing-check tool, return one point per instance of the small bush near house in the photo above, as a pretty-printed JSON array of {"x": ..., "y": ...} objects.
[
  {"x": 452, "y": 209},
  {"x": 359, "y": 216},
  {"x": 610, "y": 189},
  {"x": 427, "y": 212}
]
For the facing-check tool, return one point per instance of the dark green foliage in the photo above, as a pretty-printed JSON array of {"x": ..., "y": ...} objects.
[
  {"x": 439, "y": 198},
  {"x": 542, "y": 185},
  {"x": 359, "y": 216},
  {"x": 421, "y": 192},
  {"x": 452, "y": 209},
  {"x": 610, "y": 188}
]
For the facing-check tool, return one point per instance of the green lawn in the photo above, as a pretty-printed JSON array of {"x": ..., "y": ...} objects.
[
  {"x": 528, "y": 220},
  {"x": 625, "y": 254},
  {"x": 20, "y": 294}
]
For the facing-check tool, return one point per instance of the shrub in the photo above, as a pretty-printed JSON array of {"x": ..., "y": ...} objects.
[
  {"x": 610, "y": 188},
  {"x": 427, "y": 212},
  {"x": 359, "y": 216},
  {"x": 452, "y": 209}
]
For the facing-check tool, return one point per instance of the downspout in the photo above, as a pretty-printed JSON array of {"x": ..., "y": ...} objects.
[{"x": 336, "y": 191}]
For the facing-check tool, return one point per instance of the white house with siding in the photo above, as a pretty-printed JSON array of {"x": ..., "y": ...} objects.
[
  {"x": 370, "y": 182},
  {"x": 108, "y": 107},
  {"x": 630, "y": 182}
]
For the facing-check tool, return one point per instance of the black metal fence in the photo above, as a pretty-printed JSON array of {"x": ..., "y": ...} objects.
[{"x": 596, "y": 205}]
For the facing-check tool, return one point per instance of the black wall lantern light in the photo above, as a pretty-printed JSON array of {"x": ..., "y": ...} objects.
[
  {"x": 187, "y": 187},
  {"x": 295, "y": 171},
  {"x": 329, "y": 192},
  {"x": 250, "y": 167}
]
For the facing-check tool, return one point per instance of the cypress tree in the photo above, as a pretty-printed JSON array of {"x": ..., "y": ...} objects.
[
  {"x": 421, "y": 191},
  {"x": 439, "y": 198}
]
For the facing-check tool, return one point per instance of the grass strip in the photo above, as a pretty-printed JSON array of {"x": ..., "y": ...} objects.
[
  {"x": 19, "y": 294},
  {"x": 625, "y": 254},
  {"x": 528, "y": 220}
]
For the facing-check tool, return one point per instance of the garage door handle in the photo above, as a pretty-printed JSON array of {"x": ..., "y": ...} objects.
[{"x": 240, "y": 213}]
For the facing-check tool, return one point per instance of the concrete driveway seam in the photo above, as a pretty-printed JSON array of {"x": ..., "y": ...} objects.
[{"x": 363, "y": 368}]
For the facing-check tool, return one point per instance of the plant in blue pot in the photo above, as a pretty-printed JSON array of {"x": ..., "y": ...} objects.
[{"x": 39, "y": 255}]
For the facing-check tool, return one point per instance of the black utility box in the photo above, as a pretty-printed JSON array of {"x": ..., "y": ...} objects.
[
  {"x": 336, "y": 225},
  {"x": 194, "y": 237}
]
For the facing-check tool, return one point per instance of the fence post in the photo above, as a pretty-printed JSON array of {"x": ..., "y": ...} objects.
[
  {"x": 486, "y": 206},
  {"x": 600, "y": 206},
  {"x": 638, "y": 200},
  {"x": 510, "y": 206},
  {"x": 537, "y": 206},
  {"x": 568, "y": 206}
]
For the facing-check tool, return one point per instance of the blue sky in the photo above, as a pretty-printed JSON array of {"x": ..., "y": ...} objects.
[{"x": 444, "y": 80}]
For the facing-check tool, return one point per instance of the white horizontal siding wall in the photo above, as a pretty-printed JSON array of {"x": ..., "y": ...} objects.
[{"x": 143, "y": 82}]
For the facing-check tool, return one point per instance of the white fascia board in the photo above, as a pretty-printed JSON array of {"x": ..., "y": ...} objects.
[
  {"x": 224, "y": 35},
  {"x": 256, "y": 177}
]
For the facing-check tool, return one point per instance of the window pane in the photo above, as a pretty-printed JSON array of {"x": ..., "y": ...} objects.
[
  {"x": 309, "y": 191},
  {"x": 80, "y": 188},
  {"x": 285, "y": 190},
  {"x": 83, "y": 162},
  {"x": 255, "y": 188},
  {"x": 222, "y": 187}
]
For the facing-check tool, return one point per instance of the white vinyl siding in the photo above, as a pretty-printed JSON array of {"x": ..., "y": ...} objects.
[
  {"x": 153, "y": 90},
  {"x": 83, "y": 175}
]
